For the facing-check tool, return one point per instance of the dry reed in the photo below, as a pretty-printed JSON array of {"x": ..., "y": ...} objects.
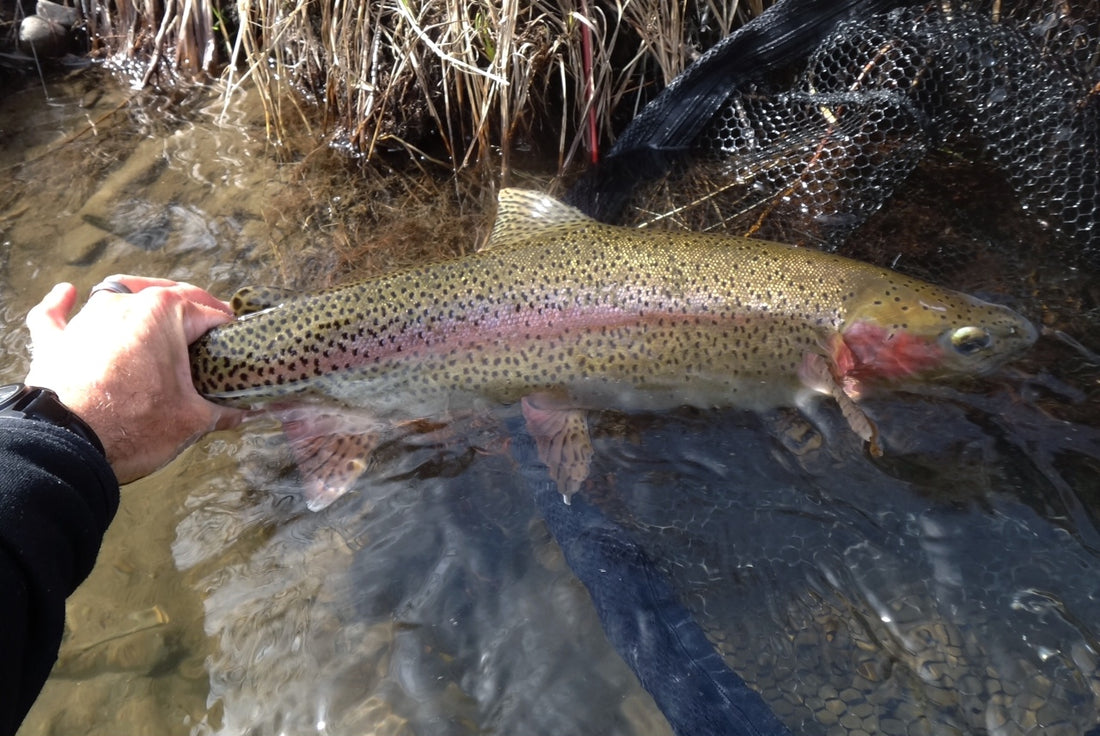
[{"x": 454, "y": 82}]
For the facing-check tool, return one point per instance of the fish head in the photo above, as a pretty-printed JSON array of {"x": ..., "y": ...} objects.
[{"x": 909, "y": 331}]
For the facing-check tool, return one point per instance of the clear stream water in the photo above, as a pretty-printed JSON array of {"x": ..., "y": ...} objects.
[{"x": 952, "y": 586}]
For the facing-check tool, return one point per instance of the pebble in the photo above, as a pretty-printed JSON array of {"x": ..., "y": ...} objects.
[
  {"x": 62, "y": 15},
  {"x": 43, "y": 37},
  {"x": 48, "y": 33},
  {"x": 891, "y": 727}
]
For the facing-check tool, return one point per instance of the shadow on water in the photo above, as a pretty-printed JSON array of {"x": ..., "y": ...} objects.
[{"x": 951, "y": 586}]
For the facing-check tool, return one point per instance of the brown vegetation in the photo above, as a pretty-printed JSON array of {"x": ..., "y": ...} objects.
[{"x": 447, "y": 81}]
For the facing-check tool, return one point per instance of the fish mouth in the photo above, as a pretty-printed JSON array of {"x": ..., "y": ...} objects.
[{"x": 1030, "y": 332}]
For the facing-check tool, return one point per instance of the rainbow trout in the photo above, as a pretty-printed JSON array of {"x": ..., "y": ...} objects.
[{"x": 565, "y": 314}]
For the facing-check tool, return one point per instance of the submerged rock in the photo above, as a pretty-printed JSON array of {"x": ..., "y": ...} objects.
[
  {"x": 43, "y": 37},
  {"x": 65, "y": 16},
  {"x": 48, "y": 33}
]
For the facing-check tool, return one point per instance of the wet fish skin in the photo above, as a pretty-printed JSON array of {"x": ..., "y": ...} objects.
[{"x": 584, "y": 315}]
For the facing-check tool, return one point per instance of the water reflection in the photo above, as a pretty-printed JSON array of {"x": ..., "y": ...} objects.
[
  {"x": 432, "y": 601},
  {"x": 950, "y": 586}
]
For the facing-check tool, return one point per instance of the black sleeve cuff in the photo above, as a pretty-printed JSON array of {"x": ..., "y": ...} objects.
[{"x": 57, "y": 497}]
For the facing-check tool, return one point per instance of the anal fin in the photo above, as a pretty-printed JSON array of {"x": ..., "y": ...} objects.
[{"x": 561, "y": 436}]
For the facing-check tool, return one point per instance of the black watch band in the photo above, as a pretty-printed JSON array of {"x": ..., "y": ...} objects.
[{"x": 42, "y": 405}]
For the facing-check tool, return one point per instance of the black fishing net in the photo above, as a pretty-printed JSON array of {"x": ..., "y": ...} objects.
[
  {"x": 806, "y": 149},
  {"x": 881, "y": 92}
]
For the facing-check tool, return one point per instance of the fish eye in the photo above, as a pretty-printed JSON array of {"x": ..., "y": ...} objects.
[{"x": 969, "y": 340}]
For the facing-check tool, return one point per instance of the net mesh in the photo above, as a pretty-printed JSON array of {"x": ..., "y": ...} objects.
[{"x": 809, "y": 157}]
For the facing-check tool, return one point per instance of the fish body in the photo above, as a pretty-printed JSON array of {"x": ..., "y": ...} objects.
[{"x": 571, "y": 314}]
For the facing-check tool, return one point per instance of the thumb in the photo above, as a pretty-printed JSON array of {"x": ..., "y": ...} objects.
[
  {"x": 199, "y": 318},
  {"x": 50, "y": 316}
]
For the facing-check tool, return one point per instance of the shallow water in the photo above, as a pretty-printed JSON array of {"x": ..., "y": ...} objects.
[{"x": 952, "y": 586}]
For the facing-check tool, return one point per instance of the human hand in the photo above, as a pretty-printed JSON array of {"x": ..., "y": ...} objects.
[{"x": 121, "y": 365}]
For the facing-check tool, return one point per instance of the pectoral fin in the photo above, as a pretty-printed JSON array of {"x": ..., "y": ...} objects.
[
  {"x": 817, "y": 374},
  {"x": 330, "y": 452},
  {"x": 561, "y": 435}
]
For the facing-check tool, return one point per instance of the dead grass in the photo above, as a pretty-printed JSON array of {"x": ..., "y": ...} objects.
[{"x": 452, "y": 83}]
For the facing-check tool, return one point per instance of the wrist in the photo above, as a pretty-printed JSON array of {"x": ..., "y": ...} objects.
[{"x": 43, "y": 405}]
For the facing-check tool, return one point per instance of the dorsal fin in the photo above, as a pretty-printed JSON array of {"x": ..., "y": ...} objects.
[{"x": 522, "y": 212}]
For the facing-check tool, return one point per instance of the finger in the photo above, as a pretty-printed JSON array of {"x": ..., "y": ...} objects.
[
  {"x": 198, "y": 318},
  {"x": 227, "y": 418},
  {"x": 51, "y": 315},
  {"x": 205, "y": 299},
  {"x": 190, "y": 291},
  {"x": 137, "y": 283}
]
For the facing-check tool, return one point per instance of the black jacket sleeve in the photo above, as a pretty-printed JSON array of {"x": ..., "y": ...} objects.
[{"x": 57, "y": 496}]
